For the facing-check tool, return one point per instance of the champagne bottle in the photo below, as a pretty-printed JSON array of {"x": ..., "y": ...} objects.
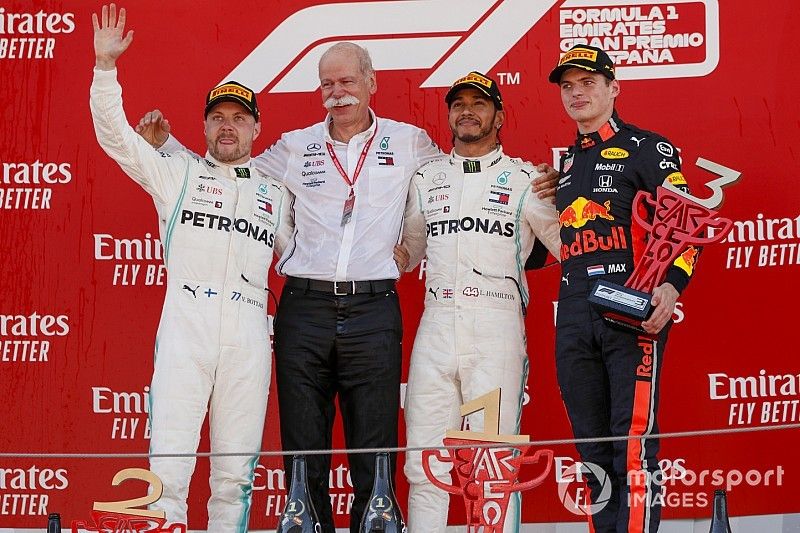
[
  {"x": 299, "y": 515},
  {"x": 382, "y": 513},
  {"x": 54, "y": 523},
  {"x": 719, "y": 520}
]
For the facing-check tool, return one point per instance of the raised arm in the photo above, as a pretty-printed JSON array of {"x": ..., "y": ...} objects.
[
  {"x": 109, "y": 43},
  {"x": 160, "y": 176}
]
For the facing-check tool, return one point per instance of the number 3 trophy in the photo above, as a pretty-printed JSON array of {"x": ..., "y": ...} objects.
[{"x": 680, "y": 222}]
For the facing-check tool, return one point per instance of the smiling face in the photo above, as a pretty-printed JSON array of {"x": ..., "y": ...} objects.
[
  {"x": 588, "y": 98},
  {"x": 230, "y": 131},
  {"x": 473, "y": 117},
  {"x": 346, "y": 89}
]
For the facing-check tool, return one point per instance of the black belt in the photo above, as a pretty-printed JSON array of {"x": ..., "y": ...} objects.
[{"x": 341, "y": 288}]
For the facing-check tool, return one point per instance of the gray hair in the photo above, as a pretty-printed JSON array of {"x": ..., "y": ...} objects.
[{"x": 361, "y": 53}]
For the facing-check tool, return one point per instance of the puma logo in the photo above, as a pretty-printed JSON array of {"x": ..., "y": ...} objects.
[{"x": 193, "y": 291}]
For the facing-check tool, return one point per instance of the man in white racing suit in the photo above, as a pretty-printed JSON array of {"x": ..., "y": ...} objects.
[
  {"x": 479, "y": 216},
  {"x": 218, "y": 219},
  {"x": 338, "y": 327}
]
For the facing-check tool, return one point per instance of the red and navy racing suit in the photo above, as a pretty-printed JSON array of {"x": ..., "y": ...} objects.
[{"x": 609, "y": 376}]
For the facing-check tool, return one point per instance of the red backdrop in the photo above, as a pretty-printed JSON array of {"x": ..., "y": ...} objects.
[{"x": 82, "y": 280}]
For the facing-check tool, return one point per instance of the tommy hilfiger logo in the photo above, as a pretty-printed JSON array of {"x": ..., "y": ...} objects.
[{"x": 497, "y": 197}]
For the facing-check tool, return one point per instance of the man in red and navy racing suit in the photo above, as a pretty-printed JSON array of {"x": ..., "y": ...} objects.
[{"x": 609, "y": 376}]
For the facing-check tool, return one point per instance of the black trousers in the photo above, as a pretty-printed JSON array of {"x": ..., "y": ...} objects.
[
  {"x": 609, "y": 380},
  {"x": 347, "y": 345}
]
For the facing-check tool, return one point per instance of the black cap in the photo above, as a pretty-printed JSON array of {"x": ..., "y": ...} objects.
[
  {"x": 476, "y": 80},
  {"x": 232, "y": 91},
  {"x": 586, "y": 57}
]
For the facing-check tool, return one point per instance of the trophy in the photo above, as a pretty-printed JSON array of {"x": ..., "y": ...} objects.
[
  {"x": 680, "y": 223},
  {"x": 486, "y": 477},
  {"x": 125, "y": 515}
]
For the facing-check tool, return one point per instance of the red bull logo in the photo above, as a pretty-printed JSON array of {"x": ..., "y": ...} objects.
[
  {"x": 645, "y": 369},
  {"x": 581, "y": 211},
  {"x": 587, "y": 241}
]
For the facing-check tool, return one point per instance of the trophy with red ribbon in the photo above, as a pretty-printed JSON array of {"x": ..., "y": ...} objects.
[
  {"x": 680, "y": 222},
  {"x": 105, "y": 522},
  {"x": 125, "y": 515},
  {"x": 486, "y": 476}
]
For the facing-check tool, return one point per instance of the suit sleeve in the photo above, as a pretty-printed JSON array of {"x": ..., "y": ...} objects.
[
  {"x": 538, "y": 256},
  {"x": 274, "y": 161},
  {"x": 543, "y": 218},
  {"x": 285, "y": 229},
  {"x": 173, "y": 146},
  {"x": 159, "y": 174},
  {"x": 425, "y": 149},
  {"x": 414, "y": 228}
]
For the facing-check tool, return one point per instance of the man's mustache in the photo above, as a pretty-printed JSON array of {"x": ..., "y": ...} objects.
[{"x": 344, "y": 100}]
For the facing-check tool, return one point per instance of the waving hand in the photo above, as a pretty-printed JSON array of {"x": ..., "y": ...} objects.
[{"x": 109, "y": 42}]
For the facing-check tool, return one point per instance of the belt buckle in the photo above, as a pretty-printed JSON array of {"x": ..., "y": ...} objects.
[{"x": 345, "y": 293}]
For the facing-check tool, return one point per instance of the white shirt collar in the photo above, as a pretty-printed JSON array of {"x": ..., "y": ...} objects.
[
  {"x": 359, "y": 137},
  {"x": 230, "y": 170},
  {"x": 485, "y": 160}
]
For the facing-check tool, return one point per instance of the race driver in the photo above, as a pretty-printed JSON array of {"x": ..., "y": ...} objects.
[
  {"x": 338, "y": 328},
  {"x": 477, "y": 217},
  {"x": 609, "y": 376},
  {"x": 218, "y": 219}
]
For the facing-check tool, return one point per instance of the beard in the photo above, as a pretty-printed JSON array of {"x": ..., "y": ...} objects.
[
  {"x": 484, "y": 132},
  {"x": 228, "y": 153}
]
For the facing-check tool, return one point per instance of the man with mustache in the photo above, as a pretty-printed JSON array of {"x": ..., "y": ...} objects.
[
  {"x": 218, "y": 220},
  {"x": 338, "y": 329},
  {"x": 477, "y": 216}
]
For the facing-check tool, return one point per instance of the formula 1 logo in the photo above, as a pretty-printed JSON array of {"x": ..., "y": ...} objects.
[
  {"x": 451, "y": 35},
  {"x": 645, "y": 39}
]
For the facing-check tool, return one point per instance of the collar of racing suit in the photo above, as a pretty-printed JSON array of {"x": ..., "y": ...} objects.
[
  {"x": 483, "y": 162},
  {"x": 606, "y": 131},
  {"x": 360, "y": 138},
  {"x": 243, "y": 170}
]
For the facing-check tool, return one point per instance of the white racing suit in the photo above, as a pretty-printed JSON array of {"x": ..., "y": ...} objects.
[
  {"x": 481, "y": 218},
  {"x": 218, "y": 227}
]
